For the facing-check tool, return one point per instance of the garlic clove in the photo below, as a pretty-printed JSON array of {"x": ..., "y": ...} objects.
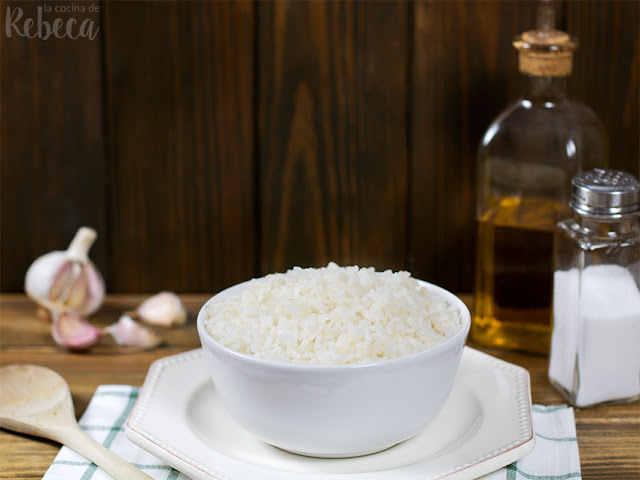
[
  {"x": 95, "y": 289},
  {"x": 127, "y": 332},
  {"x": 164, "y": 309},
  {"x": 61, "y": 280},
  {"x": 87, "y": 292},
  {"x": 78, "y": 290},
  {"x": 67, "y": 280},
  {"x": 74, "y": 332}
]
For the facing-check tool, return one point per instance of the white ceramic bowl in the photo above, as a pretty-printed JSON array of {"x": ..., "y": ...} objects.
[{"x": 335, "y": 410}]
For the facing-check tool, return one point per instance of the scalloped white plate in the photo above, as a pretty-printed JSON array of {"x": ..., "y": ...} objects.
[{"x": 485, "y": 425}]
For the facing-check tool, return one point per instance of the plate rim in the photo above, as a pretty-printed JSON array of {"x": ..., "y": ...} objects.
[{"x": 471, "y": 469}]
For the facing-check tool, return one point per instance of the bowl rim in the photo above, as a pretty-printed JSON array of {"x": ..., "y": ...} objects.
[{"x": 205, "y": 337}]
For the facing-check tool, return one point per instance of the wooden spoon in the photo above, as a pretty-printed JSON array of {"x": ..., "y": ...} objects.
[{"x": 36, "y": 400}]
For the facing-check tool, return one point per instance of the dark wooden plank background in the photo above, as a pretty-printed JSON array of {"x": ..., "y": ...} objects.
[{"x": 210, "y": 142}]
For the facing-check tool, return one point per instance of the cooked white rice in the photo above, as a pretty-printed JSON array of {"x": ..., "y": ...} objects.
[{"x": 332, "y": 315}]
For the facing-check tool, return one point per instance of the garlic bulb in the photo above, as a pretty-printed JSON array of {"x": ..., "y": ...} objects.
[
  {"x": 72, "y": 331},
  {"x": 67, "y": 280},
  {"x": 164, "y": 309},
  {"x": 129, "y": 333}
]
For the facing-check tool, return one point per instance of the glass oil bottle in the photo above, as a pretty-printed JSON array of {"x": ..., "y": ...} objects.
[{"x": 526, "y": 161}]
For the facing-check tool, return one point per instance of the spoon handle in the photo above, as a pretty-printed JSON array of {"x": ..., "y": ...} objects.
[{"x": 74, "y": 437}]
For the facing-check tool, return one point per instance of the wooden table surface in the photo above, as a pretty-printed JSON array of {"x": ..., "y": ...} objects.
[{"x": 608, "y": 437}]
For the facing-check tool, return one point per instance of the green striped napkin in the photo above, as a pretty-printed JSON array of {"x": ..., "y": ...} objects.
[
  {"x": 104, "y": 420},
  {"x": 555, "y": 456}
]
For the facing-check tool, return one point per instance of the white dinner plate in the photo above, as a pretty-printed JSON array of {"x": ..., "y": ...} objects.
[{"x": 485, "y": 425}]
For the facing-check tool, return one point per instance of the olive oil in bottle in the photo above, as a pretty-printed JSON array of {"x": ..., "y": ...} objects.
[
  {"x": 526, "y": 161},
  {"x": 514, "y": 288}
]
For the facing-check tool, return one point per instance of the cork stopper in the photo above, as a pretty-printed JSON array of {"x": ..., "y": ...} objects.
[{"x": 545, "y": 52}]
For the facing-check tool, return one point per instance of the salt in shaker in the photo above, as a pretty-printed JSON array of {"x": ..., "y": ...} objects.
[{"x": 595, "y": 343}]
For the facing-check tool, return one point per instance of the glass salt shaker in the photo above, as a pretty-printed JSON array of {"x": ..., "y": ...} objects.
[{"x": 595, "y": 343}]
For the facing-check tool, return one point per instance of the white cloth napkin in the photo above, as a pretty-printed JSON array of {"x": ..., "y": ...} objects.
[{"x": 555, "y": 456}]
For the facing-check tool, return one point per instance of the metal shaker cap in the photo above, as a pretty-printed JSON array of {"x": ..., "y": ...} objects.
[{"x": 605, "y": 193}]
